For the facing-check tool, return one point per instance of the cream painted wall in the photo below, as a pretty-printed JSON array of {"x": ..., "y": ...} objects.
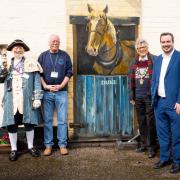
[
  {"x": 157, "y": 17},
  {"x": 33, "y": 21}
]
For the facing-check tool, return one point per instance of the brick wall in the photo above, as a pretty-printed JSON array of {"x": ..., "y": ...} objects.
[
  {"x": 117, "y": 8},
  {"x": 33, "y": 21}
]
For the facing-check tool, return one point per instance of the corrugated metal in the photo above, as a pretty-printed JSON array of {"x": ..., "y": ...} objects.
[{"x": 102, "y": 105}]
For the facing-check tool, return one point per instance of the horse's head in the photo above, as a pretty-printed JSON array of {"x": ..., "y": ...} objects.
[
  {"x": 102, "y": 39},
  {"x": 96, "y": 27}
]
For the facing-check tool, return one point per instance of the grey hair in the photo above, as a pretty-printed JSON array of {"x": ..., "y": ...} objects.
[
  {"x": 140, "y": 41},
  {"x": 52, "y": 36}
]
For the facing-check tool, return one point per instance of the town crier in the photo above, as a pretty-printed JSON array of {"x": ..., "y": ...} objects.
[{"x": 22, "y": 96}]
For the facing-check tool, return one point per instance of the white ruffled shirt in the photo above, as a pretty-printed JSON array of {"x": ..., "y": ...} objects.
[{"x": 17, "y": 89}]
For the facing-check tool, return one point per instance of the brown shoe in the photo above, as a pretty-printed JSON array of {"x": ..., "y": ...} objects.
[
  {"x": 47, "y": 151},
  {"x": 63, "y": 151}
]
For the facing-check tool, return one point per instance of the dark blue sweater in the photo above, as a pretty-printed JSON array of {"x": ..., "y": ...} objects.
[{"x": 59, "y": 62}]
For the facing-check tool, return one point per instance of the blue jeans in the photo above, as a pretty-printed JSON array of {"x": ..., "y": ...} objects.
[{"x": 58, "y": 101}]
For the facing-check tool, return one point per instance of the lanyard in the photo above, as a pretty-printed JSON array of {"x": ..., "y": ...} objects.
[
  {"x": 19, "y": 67},
  {"x": 53, "y": 64}
]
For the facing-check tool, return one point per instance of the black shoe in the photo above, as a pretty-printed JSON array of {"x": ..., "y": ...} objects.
[
  {"x": 141, "y": 149},
  {"x": 175, "y": 168},
  {"x": 161, "y": 164},
  {"x": 34, "y": 152},
  {"x": 13, "y": 156},
  {"x": 151, "y": 153}
]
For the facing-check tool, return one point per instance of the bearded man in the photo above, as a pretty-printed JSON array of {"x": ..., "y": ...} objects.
[{"x": 22, "y": 96}]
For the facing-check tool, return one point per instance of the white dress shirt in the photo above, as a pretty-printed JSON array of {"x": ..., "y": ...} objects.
[
  {"x": 143, "y": 58},
  {"x": 165, "y": 63}
]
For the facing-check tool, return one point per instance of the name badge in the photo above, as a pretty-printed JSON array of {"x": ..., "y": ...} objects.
[
  {"x": 26, "y": 76},
  {"x": 54, "y": 74}
]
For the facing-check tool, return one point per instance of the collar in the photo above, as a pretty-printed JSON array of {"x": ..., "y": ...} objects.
[
  {"x": 143, "y": 58},
  {"x": 13, "y": 58},
  {"x": 169, "y": 56}
]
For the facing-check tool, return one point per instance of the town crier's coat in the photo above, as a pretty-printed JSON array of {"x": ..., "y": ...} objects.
[{"x": 30, "y": 83}]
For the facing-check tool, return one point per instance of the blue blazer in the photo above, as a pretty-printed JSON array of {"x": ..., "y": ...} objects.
[{"x": 171, "y": 80}]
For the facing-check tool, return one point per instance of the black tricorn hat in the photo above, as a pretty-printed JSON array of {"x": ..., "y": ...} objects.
[{"x": 19, "y": 43}]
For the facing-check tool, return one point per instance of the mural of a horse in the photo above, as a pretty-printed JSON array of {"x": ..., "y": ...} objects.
[{"x": 113, "y": 55}]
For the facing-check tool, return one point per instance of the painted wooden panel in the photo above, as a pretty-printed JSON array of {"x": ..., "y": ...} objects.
[{"x": 102, "y": 106}]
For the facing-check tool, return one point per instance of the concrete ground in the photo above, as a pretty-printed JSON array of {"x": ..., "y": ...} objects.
[{"x": 84, "y": 163}]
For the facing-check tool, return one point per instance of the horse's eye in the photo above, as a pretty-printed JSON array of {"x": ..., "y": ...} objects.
[{"x": 87, "y": 21}]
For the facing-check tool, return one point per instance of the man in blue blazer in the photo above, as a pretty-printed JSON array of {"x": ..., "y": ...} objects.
[{"x": 166, "y": 102}]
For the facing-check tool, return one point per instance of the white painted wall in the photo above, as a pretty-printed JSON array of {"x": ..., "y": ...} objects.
[
  {"x": 32, "y": 21},
  {"x": 160, "y": 16}
]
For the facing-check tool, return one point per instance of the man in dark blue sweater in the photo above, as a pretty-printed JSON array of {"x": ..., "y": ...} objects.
[
  {"x": 57, "y": 70},
  {"x": 140, "y": 75}
]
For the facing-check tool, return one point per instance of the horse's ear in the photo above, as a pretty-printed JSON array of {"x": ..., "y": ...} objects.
[
  {"x": 106, "y": 9},
  {"x": 89, "y": 8}
]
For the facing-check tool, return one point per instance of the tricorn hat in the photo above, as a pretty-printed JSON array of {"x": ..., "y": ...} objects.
[{"x": 19, "y": 43}]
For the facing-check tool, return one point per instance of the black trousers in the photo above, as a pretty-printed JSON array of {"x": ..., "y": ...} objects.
[
  {"x": 146, "y": 122},
  {"x": 18, "y": 121}
]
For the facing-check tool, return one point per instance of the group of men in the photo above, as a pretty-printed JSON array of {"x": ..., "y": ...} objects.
[
  {"x": 27, "y": 83},
  {"x": 154, "y": 84}
]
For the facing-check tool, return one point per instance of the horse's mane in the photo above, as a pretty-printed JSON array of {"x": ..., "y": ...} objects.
[{"x": 111, "y": 30}]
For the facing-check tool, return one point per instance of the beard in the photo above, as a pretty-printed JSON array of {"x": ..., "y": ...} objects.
[{"x": 18, "y": 56}]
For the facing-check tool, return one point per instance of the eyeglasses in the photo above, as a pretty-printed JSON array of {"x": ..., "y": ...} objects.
[{"x": 142, "y": 47}]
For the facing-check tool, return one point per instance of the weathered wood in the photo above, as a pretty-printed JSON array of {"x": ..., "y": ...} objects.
[{"x": 103, "y": 106}]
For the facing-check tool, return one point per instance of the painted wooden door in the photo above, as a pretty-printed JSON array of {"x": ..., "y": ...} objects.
[{"x": 102, "y": 106}]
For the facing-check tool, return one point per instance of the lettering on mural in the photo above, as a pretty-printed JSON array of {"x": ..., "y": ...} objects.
[{"x": 108, "y": 82}]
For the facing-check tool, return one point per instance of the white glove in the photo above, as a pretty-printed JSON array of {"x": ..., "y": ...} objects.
[{"x": 36, "y": 103}]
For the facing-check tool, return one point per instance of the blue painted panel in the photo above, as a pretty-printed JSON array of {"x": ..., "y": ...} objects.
[
  {"x": 90, "y": 104},
  {"x": 80, "y": 101},
  {"x": 102, "y": 104},
  {"x": 100, "y": 101}
]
